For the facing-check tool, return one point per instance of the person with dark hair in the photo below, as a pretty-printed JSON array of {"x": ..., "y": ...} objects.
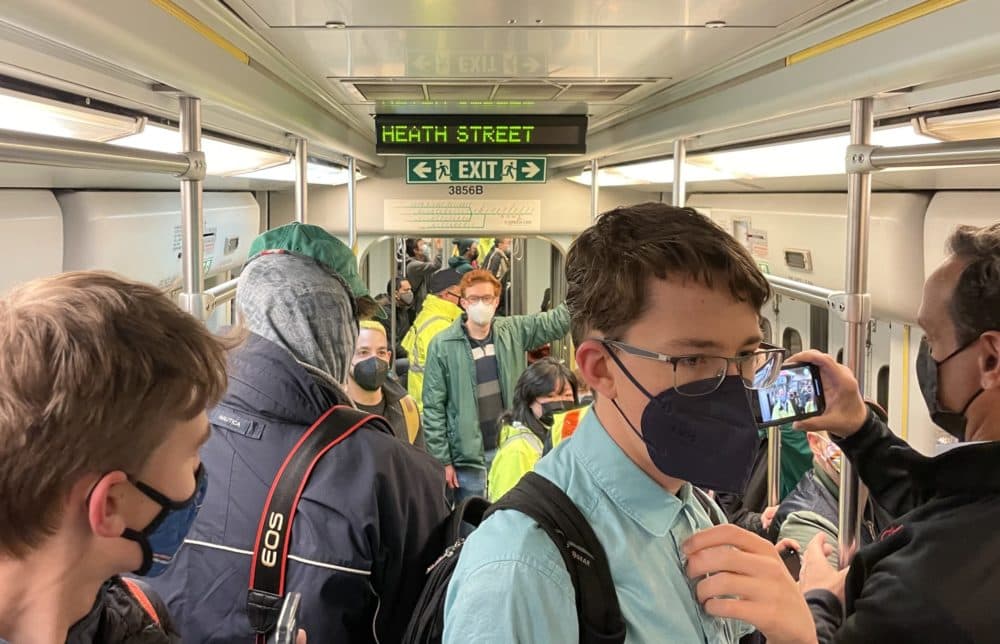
[
  {"x": 422, "y": 260},
  {"x": 664, "y": 308},
  {"x": 399, "y": 287},
  {"x": 546, "y": 388},
  {"x": 439, "y": 311},
  {"x": 498, "y": 262},
  {"x": 465, "y": 260},
  {"x": 932, "y": 575}
]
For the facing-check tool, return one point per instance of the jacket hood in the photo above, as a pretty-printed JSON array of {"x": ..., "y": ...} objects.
[
  {"x": 303, "y": 307},
  {"x": 266, "y": 381}
]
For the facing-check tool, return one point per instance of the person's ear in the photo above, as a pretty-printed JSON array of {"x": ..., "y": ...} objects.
[
  {"x": 815, "y": 442},
  {"x": 989, "y": 360},
  {"x": 105, "y": 505},
  {"x": 595, "y": 365}
]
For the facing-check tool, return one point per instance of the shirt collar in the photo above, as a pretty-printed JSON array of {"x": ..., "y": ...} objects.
[{"x": 629, "y": 488}]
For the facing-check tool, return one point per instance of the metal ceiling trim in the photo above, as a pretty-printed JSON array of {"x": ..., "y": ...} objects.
[
  {"x": 244, "y": 33},
  {"x": 963, "y": 44},
  {"x": 166, "y": 54}
]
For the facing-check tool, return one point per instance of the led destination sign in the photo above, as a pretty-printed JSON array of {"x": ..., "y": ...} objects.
[{"x": 480, "y": 134}]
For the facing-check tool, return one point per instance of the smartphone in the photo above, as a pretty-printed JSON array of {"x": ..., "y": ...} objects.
[
  {"x": 287, "y": 629},
  {"x": 797, "y": 394},
  {"x": 792, "y": 561}
]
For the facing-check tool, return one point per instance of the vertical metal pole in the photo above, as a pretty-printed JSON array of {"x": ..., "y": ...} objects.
[
  {"x": 192, "y": 222},
  {"x": 679, "y": 195},
  {"x": 301, "y": 180},
  {"x": 393, "y": 246},
  {"x": 594, "y": 191},
  {"x": 773, "y": 465},
  {"x": 352, "y": 204},
  {"x": 859, "y": 192}
]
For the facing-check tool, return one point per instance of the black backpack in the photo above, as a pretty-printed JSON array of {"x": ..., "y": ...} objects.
[{"x": 597, "y": 608}]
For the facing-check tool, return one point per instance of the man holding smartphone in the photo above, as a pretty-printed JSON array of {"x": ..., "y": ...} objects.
[{"x": 932, "y": 576}]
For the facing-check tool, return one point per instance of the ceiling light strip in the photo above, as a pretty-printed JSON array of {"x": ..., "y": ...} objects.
[
  {"x": 900, "y": 17},
  {"x": 203, "y": 29}
]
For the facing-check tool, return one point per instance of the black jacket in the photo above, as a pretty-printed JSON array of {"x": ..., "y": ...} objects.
[
  {"x": 118, "y": 617},
  {"x": 365, "y": 529},
  {"x": 934, "y": 575}
]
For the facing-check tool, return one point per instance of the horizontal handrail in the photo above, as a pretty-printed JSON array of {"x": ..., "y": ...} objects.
[{"x": 42, "y": 149}]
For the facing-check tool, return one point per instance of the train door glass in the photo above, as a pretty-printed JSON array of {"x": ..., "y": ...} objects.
[
  {"x": 819, "y": 328},
  {"x": 792, "y": 341},
  {"x": 882, "y": 388}
]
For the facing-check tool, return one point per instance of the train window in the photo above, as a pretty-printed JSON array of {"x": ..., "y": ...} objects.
[
  {"x": 882, "y": 388},
  {"x": 766, "y": 330},
  {"x": 792, "y": 341},
  {"x": 840, "y": 356},
  {"x": 819, "y": 328}
]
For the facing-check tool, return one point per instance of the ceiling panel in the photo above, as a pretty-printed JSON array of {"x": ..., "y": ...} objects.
[
  {"x": 605, "y": 54},
  {"x": 427, "y": 13}
]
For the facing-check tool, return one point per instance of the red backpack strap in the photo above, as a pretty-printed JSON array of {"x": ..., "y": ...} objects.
[
  {"x": 140, "y": 596},
  {"x": 270, "y": 552}
]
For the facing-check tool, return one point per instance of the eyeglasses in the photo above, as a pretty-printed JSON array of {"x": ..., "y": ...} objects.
[
  {"x": 700, "y": 375},
  {"x": 455, "y": 295},
  {"x": 485, "y": 299}
]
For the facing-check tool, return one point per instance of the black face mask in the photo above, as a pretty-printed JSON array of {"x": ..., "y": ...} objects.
[
  {"x": 709, "y": 441},
  {"x": 370, "y": 374},
  {"x": 952, "y": 422},
  {"x": 550, "y": 409}
]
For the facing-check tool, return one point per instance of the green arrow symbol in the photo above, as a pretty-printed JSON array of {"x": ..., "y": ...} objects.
[
  {"x": 421, "y": 170},
  {"x": 530, "y": 170}
]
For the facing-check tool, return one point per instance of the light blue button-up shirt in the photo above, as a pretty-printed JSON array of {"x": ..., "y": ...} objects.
[{"x": 511, "y": 584}]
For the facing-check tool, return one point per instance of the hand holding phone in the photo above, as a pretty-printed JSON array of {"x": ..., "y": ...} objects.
[
  {"x": 797, "y": 394},
  {"x": 287, "y": 629}
]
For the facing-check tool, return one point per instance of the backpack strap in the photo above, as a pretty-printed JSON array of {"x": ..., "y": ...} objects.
[
  {"x": 140, "y": 596},
  {"x": 268, "y": 566},
  {"x": 706, "y": 504},
  {"x": 597, "y": 607}
]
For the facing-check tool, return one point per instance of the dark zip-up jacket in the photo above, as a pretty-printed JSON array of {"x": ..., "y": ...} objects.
[
  {"x": 934, "y": 574},
  {"x": 365, "y": 529},
  {"x": 119, "y": 617}
]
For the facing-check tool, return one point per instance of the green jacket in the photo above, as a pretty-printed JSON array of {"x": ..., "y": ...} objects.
[{"x": 451, "y": 408}]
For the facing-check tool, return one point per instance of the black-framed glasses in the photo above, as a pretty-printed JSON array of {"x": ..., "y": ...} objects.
[{"x": 700, "y": 375}]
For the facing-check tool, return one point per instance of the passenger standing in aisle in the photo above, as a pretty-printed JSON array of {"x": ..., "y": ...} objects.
[
  {"x": 465, "y": 260},
  {"x": 933, "y": 575},
  {"x": 545, "y": 389},
  {"x": 498, "y": 262},
  {"x": 366, "y": 522},
  {"x": 371, "y": 389},
  {"x": 472, "y": 368},
  {"x": 102, "y": 415},
  {"x": 439, "y": 311},
  {"x": 665, "y": 310},
  {"x": 422, "y": 261}
]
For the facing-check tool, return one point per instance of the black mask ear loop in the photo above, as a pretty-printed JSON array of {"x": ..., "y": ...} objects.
[{"x": 614, "y": 401}]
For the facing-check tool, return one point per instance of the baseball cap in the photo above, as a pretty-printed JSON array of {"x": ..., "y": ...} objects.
[{"x": 442, "y": 280}]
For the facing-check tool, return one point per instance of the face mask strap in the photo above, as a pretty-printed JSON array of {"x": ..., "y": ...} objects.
[
  {"x": 166, "y": 502},
  {"x": 971, "y": 400}
]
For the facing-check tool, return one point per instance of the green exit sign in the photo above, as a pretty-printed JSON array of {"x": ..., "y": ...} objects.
[{"x": 475, "y": 170}]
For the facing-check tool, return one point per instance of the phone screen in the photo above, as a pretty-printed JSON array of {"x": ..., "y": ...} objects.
[{"x": 795, "y": 395}]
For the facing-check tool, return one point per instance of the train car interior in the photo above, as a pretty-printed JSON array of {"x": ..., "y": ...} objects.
[{"x": 840, "y": 141}]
